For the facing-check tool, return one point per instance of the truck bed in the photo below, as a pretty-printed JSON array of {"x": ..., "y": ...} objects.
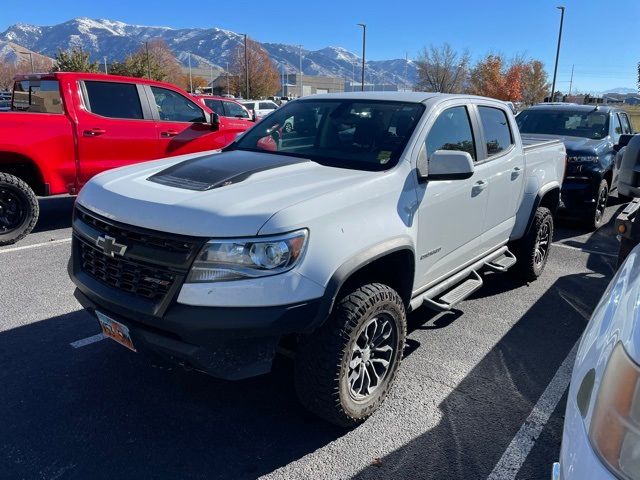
[{"x": 530, "y": 143}]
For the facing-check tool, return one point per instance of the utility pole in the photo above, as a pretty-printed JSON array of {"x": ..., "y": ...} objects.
[
  {"x": 31, "y": 59},
  {"x": 227, "y": 78},
  {"x": 571, "y": 81},
  {"x": 211, "y": 75},
  {"x": 555, "y": 69},
  {"x": 406, "y": 66},
  {"x": 246, "y": 67},
  {"x": 106, "y": 72},
  {"x": 364, "y": 43},
  {"x": 190, "y": 77},
  {"x": 300, "y": 70},
  {"x": 148, "y": 61}
]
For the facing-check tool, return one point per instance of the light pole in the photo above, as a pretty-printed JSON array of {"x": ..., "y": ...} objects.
[
  {"x": 555, "y": 69},
  {"x": 190, "y": 77},
  {"x": 246, "y": 67},
  {"x": 30, "y": 58},
  {"x": 364, "y": 43},
  {"x": 148, "y": 60},
  {"x": 227, "y": 80},
  {"x": 300, "y": 70},
  {"x": 106, "y": 72}
]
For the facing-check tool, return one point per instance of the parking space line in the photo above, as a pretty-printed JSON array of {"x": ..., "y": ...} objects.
[
  {"x": 43, "y": 244},
  {"x": 516, "y": 453},
  {"x": 585, "y": 250},
  {"x": 88, "y": 341}
]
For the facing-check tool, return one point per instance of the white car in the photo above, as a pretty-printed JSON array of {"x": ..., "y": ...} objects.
[
  {"x": 260, "y": 108},
  {"x": 601, "y": 438}
]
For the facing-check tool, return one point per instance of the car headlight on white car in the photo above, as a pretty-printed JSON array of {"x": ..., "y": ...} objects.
[
  {"x": 235, "y": 259},
  {"x": 615, "y": 424}
]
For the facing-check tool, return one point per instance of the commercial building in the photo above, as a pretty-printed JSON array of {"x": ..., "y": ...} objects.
[{"x": 296, "y": 85}]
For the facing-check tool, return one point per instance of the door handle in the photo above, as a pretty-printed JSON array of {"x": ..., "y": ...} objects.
[
  {"x": 478, "y": 187},
  {"x": 169, "y": 133},
  {"x": 94, "y": 132},
  {"x": 515, "y": 173}
]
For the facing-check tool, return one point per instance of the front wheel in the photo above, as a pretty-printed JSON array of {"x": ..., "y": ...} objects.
[
  {"x": 596, "y": 217},
  {"x": 532, "y": 251},
  {"x": 345, "y": 369},
  {"x": 19, "y": 209}
]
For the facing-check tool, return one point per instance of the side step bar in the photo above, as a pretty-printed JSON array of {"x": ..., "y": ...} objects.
[
  {"x": 456, "y": 294},
  {"x": 503, "y": 262}
]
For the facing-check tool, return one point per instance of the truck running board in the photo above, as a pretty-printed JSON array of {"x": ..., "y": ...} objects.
[
  {"x": 454, "y": 296},
  {"x": 504, "y": 262}
]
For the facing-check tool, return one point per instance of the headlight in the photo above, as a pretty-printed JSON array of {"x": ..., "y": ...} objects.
[
  {"x": 234, "y": 259},
  {"x": 582, "y": 159},
  {"x": 615, "y": 425}
]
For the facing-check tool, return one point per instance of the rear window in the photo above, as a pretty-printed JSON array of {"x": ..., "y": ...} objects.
[
  {"x": 114, "y": 100},
  {"x": 268, "y": 106},
  {"x": 39, "y": 96}
]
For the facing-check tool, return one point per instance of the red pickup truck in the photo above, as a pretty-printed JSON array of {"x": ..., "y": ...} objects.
[{"x": 63, "y": 128}]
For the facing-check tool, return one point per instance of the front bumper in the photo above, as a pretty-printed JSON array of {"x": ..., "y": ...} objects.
[{"x": 578, "y": 197}]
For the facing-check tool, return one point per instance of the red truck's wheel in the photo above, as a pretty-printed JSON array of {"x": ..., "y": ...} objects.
[{"x": 19, "y": 209}]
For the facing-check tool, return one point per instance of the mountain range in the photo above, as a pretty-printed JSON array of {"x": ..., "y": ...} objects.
[{"x": 207, "y": 47}]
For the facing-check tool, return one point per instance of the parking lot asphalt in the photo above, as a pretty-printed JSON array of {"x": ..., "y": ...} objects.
[{"x": 469, "y": 380}]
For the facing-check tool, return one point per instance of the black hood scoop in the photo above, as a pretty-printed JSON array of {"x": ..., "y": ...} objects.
[{"x": 213, "y": 171}]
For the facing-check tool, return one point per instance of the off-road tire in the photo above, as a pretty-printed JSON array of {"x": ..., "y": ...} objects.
[
  {"x": 595, "y": 219},
  {"x": 527, "y": 250},
  {"x": 323, "y": 360},
  {"x": 16, "y": 192}
]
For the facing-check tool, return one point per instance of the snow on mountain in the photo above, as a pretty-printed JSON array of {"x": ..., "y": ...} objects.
[{"x": 214, "y": 46}]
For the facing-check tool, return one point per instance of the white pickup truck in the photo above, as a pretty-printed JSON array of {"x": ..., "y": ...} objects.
[{"x": 316, "y": 241}]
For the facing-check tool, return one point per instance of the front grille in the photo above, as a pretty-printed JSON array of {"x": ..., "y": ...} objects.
[
  {"x": 142, "y": 238},
  {"x": 145, "y": 281}
]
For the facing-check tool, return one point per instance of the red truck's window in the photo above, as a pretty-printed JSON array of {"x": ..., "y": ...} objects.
[
  {"x": 114, "y": 100},
  {"x": 173, "y": 107},
  {"x": 39, "y": 96}
]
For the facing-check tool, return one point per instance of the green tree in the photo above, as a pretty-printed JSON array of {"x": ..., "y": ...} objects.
[
  {"x": 154, "y": 60},
  {"x": 74, "y": 60}
]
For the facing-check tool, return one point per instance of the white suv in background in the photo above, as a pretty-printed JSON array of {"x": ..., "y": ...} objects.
[{"x": 260, "y": 108}]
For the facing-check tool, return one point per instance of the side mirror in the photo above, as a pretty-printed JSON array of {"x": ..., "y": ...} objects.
[
  {"x": 215, "y": 122},
  {"x": 447, "y": 165},
  {"x": 623, "y": 141}
]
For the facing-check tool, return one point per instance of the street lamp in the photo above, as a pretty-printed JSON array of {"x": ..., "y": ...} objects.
[
  {"x": 300, "y": 70},
  {"x": 555, "y": 69},
  {"x": 364, "y": 42},
  {"x": 30, "y": 58},
  {"x": 190, "y": 77},
  {"x": 246, "y": 66}
]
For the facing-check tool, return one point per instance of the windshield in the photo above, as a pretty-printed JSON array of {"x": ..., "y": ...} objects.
[
  {"x": 587, "y": 124},
  {"x": 358, "y": 134}
]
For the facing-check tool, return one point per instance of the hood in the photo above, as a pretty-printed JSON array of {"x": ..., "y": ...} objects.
[
  {"x": 230, "y": 194},
  {"x": 577, "y": 144}
]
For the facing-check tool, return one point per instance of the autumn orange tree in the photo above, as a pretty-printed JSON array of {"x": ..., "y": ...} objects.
[
  {"x": 264, "y": 80},
  {"x": 8, "y": 70},
  {"x": 493, "y": 77}
]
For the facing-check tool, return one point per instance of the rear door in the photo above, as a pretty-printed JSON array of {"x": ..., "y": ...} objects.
[
  {"x": 115, "y": 127},
  {"x": 181, "y": 124},
  {"x": 503, "y": 162}
]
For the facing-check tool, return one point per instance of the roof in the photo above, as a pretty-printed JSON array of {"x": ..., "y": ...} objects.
[
  {"x": 572, "y": 106},
  {"x": 411, "y": 97},
  {"x": 92, "y": 76}
]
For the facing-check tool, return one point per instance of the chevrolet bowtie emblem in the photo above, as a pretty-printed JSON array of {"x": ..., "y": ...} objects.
[{"x": 110, "y": 247}]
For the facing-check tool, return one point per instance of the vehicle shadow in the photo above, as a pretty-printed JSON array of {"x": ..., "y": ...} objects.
[
  {"x": 483, "y": 413},
  {"x": 102, "y": 412},
  {"x": 55, "y": 213}
]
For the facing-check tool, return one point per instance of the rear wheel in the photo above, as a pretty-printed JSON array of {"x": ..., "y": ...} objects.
[
  {"x": 345, "y": 369},
  {"x": 19, "y": 209}
]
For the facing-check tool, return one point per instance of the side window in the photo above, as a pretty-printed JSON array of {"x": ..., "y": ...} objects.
[
  {"x": 267, "y": 106},
  {"x": 497, "y": 133},
  {"x": 617, "y": 128},
  {"x": 626, "y": 125},
  {"x": 114, "y": 100},
  {"x": 40, "y": 96},
  {"x": 234, "y": 110},
  {"x": 451, "y": 131},
  {"x": 173, "y": 107},
  {"x": 215, "y": 105}
]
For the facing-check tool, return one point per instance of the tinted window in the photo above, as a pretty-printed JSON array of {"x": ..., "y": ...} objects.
[
  {"x": 267, "y": 106},
  {"x": 215, "y": 105},
  {"x": 617, "y": 128},
  {"x": 358, "y": 134},
  {"x": 232, "y": 109},
  {"x": 173, "y": 107},
  {"x": 626, "y": 126},
  {"x": 497, "y": 133},
  {"x": 249, "y": 105},
  {"x": 40, "y": 96},
  {"x": 114, "y": 100},
  {"x": 565, "y": 122},
  {"x": 451, "y": 131}
]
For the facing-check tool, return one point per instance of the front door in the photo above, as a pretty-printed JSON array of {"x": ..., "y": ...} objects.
[
  {"x": 181, "y": 125},
  {"x": 451, "y": 213},
  {"x": 115, "y": 128}
]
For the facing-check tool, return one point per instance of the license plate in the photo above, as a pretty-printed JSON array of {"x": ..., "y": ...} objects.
[{"x": 115, "y": 330}]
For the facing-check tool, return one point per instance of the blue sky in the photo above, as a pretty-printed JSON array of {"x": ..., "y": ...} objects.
[{"x": 600, "y": 38}]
